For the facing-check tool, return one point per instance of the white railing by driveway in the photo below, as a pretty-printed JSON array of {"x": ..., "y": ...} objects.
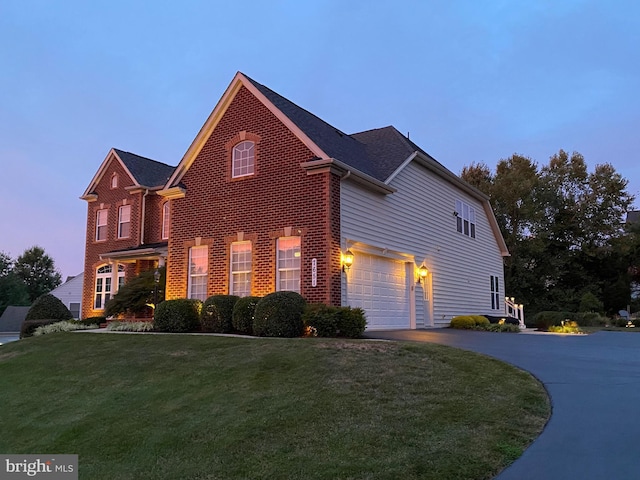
[{"x": 515, "y": 310}]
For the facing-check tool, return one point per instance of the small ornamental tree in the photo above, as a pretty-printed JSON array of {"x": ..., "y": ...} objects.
[{"x": 135, "y": 296}]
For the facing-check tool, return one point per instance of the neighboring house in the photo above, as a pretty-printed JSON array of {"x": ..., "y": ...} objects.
[
  {"x": 633, "y": 216},
  {"x": 270, "y": 197},
  {"x": 12, "y": 319},
  {"x": 70, "y": 293}
]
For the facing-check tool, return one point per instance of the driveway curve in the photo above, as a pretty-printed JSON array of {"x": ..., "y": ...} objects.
[{"x": 594, "y": 385}]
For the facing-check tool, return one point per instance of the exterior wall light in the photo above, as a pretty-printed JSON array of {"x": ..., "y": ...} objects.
[
  {"x": 347, "y": 260},
  {"x": 422, "y": 273}
]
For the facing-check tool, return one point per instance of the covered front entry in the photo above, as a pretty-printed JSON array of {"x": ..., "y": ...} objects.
[{"x": 381, "y": 286}]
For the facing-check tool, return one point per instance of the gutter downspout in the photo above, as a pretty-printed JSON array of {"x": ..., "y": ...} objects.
[{"x": 144, "y": 210}]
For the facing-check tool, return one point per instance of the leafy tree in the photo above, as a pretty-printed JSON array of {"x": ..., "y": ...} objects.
[
  {"x": 13, "y": 291},
  {"x": 563, "y": 227},
  {"x": 37, "y": 270},
  {"x": 137, "y": 294}
]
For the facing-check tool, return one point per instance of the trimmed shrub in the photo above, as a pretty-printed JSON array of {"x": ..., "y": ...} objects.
[
  {"x": 130, "y": 326},
  {"x": 243, "y": 313},
  {"x": 63, "y": 326},
  {"x": 217, "y": 313},
  {"x": 480, "y": 320},
  {"x": 279, "y": 314},
  {"x": 177, "y": 315},
  {"x": 30, "y": 326},
  {"x": 544, "y": 320},
  {"x": 566, "y": 327},
  {"x": 48, "y": 307},
  {"x": 351, "y": 322},
  {"x": 502, "y": 327},
  {"x": 463, "y": 321},
  {"x": 590, "y": 319},
  {"x": 93, "y": 320},
  {"x": 322, "y": 318}
]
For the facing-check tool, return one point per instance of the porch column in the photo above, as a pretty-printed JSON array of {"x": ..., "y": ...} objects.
[{"x": 114, "y": 277}]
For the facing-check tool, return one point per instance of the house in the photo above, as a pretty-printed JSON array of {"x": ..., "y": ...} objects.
[
  {"x": 70, "y": 293},
  {"x": 270, "y": 197}
]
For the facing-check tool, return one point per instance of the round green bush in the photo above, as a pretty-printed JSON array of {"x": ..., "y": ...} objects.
[
  {"x": 463, "y": 321},
  {"x": 321, "y": 317},
  {"x": 480, "y": 320},
  {"x": 217, "y": 313},
  {"x": 351, "y": 322},
  {"x": 279, "y": 314},
  {"x": 48, "y": 307},
  {"x": 243, "y": 312},
  {"x": 177, "y": 315}
]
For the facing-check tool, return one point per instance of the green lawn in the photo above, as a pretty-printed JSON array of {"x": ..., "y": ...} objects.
[{"x": 206, "y": 407}]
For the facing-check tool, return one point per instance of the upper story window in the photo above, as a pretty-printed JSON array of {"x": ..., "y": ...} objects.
[
  {"x": 124, "y": 221},
  {"x": 240, "y": 281},
  {"x": 101, "y": 224},
  {"x": 288, "y": 264},
  {"x": 243, "y": 159},
  {"x": 165, "y": 220},
  {"x": 114, "y": 180},
  {"x": 198, "y": 272},
  {"x": 465, "y": 219}
]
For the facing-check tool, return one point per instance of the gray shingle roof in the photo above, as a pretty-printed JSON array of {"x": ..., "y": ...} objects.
[
  {"x": 147, "y": 172},
  {"x": 12, "y": 318},
  {"x": 378, "y": 152}
]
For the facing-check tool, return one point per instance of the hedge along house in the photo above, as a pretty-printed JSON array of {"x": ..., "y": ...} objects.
[{"x": 270, "y": 197}]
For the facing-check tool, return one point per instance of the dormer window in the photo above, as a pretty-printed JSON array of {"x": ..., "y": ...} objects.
[
  {"x": 243, "y": 160},
  {"x": 114, "y": 180}
]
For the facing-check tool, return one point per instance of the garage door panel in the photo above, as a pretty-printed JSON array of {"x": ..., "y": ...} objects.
[{"x": 379, "y": 286}]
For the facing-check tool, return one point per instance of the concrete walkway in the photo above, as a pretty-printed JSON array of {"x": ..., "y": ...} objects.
[{"x": 594, "y": 385}]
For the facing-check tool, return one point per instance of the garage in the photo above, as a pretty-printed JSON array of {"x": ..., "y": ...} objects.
[{"x": 380, "y": 286}]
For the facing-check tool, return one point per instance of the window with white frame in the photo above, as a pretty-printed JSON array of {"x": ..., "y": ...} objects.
[
  {"x": 243, "y": 160},
  {"x": 74, "y": 308},
  {"x": 288, "y": 263},
  {"x": 101, "y": 224},
  {"x": 104, "y": 279},
  {"x": 124, "y": 221},
  {"x": 465, "y": 219},
  {"x": 198, "y": 272},
  {"x": 495, "y": 293},
  {"x": 165, "y": 220},
  {"x": 114, "y": 181},
  {"x": 240, "y": 281}
]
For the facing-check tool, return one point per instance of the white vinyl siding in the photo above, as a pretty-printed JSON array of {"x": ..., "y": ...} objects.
[
  {"x": 288, "y": 262},
  {"x": 417, "y": 220},
  {"x": 198, "y": 272},
  {"x": 240, "y": 281}
]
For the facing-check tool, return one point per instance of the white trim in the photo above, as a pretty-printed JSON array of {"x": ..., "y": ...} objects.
[
  {"x": 204, "y": 274},
  {"x": 289, "y": 269},
  {"x": 233, "y": 272}
]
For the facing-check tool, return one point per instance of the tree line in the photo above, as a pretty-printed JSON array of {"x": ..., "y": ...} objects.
[
  {"x": 565, "y": 229},
  {"x": 26, "y": 278}
]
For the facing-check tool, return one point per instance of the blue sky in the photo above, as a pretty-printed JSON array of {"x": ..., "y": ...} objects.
[{"x": 470, "y": 81}]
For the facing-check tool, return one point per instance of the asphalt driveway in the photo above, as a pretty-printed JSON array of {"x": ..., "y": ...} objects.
[{"x": 594, "y": 384}]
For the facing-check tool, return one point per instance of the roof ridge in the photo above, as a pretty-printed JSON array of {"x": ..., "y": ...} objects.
[
  {"x": 296, "y": 105},
  {"x": 117, "y": 150}
]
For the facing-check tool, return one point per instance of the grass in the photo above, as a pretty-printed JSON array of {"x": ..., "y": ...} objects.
[{"x": 205, "y": 407}]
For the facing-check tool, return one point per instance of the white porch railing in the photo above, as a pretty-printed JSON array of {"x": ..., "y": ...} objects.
[{"x": 514, "y": 310}]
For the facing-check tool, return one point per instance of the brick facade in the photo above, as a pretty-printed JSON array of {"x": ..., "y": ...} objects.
[{"x": 280, "y": 199}]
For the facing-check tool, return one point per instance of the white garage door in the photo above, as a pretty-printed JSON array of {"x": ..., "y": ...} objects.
[{"x": 379, "y": 286}]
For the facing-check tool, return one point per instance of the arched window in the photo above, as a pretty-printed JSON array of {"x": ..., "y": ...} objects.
[
  {"x": 114, "y": 180},
  {"x": 243, "y": 163},
  {"x": 103, "y": 285}
]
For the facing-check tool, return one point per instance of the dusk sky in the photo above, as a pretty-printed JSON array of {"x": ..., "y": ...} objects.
[{"x": 470, "y": 81}]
